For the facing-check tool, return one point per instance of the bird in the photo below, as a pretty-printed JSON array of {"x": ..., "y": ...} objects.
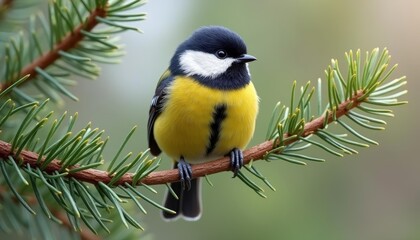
[{"x": 204, "y": 107}]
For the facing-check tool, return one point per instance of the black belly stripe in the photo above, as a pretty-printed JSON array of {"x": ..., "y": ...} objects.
[{"x": 219, "y": 115}]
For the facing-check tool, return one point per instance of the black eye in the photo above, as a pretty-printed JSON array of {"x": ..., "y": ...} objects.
[{"x": 221, "y": 54}]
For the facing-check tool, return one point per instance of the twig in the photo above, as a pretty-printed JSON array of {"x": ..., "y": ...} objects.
[
  {"x": 254, "y": 153},
  {"x": 67, "y": 43}
]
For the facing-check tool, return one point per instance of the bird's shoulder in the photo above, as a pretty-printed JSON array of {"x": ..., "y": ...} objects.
[{"x": 156, "y": 108}]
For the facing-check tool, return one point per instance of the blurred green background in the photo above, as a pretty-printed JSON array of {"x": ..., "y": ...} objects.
[{"x": 372, "y": 195}]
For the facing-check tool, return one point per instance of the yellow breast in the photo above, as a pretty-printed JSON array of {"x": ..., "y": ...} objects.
[{"x": 183, "y": 127}]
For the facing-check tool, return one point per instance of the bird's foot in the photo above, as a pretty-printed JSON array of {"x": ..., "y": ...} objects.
[
  {"x": 185, "y": 174},
  {"x": 236, "y": 161}
]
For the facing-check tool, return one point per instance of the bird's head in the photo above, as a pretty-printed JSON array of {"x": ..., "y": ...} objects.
[{"x": 214, "y": 56}]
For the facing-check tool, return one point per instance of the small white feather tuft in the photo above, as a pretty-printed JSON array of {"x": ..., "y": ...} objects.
[{"x": 247, "y": 69}]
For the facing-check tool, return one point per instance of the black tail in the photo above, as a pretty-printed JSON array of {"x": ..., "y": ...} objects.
[{"x": 188, "y": 204}]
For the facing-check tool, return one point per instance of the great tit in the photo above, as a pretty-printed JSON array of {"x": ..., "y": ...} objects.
[{"x": 204, "y": 107}]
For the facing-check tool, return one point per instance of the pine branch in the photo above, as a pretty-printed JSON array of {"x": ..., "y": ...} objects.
[
  {"x": 254, "y": 153},
  {"x": 344, "y": 96},
  {"x": 67, "y": 43}
]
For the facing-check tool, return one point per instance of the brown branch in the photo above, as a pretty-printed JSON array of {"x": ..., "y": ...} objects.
[
  {"x": 257, "y": 152},
  {"x": 67, "y": 43}
]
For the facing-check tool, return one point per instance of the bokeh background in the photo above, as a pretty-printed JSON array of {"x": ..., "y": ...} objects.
[{"x": 372, "y": 195}]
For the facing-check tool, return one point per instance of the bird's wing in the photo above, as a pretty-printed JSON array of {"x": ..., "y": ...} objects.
[{"x": 156, "y": 108}]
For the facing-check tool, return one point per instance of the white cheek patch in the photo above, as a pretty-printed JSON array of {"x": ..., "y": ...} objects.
[{"x": 203, "y": 64}]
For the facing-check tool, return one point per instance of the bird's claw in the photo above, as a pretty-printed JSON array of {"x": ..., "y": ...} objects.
[
  {"x": 236, "y": 161},
  {"x": 185, "y": 174}
]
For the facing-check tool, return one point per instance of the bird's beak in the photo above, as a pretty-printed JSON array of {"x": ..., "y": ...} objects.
[{"x": 244, "y": 58}]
